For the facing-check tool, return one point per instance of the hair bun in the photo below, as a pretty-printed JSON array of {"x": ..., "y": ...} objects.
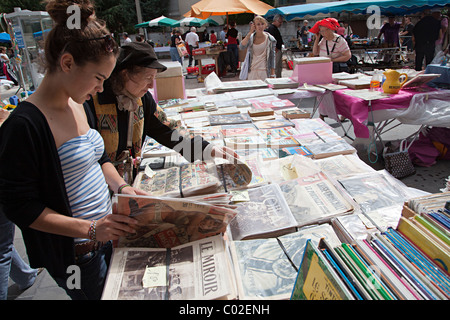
[{"x": 57, "y": 9}]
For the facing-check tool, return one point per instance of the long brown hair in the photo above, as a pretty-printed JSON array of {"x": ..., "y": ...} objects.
[{"x": 88, "y": 42}]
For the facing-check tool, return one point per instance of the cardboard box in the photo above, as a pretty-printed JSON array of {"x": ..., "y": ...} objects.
[
  {"x": 170, "y": 83},
  {"x": 199, "y": 51},
  {"x": 313, "y": 70}
]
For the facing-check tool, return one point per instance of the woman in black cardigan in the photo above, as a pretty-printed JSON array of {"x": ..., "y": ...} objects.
[{"x": 33, "y": 192}]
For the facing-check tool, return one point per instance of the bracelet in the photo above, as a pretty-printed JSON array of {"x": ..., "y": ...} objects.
[
  {"x": 92, "y": 231},
  {"x": 121, "y": 187}
]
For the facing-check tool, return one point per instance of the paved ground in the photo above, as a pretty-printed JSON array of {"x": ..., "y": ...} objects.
[{"x": 428, "y": 179}]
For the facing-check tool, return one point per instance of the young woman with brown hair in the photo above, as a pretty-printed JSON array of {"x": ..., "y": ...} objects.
[{"x": 54, "y": 184}]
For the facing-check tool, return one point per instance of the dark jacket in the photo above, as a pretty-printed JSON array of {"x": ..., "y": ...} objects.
[
  {"x": 275, "y": 32},
  {"x": 426, "y": 31},
  {"x": 31, "y": 179}
]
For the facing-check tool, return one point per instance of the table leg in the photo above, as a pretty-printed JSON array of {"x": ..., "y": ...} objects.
[
  {"x": 200, "y": 68},
  {"x": 216, "y": 59}
]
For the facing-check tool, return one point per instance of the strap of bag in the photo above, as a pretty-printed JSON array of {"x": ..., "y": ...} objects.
[{"x": 334, "y": 45}]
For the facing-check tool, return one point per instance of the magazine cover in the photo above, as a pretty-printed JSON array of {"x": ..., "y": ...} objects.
[
  {"x": 215, "y": 120},
  {"x": 167, "y": 222},
  {"x": 266, "y": 213}
]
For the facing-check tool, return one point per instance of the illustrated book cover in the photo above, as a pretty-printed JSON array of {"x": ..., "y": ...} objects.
[{"x": 316, "y": 279}]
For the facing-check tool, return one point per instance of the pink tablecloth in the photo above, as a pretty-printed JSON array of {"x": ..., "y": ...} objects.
[{"x": 357, "y": 110}]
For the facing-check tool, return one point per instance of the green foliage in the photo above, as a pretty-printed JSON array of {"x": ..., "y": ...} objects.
[
  {"x": 119, "y": 15},
  {"x": 152, "y": 9},
  {"x": 7, "y": 6}
]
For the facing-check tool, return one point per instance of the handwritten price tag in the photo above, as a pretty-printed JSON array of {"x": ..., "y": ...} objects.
[{"x": 154, "y": 277}]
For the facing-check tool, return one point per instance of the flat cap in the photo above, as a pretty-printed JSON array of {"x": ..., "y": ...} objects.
[{"x": 139, "y": 54}]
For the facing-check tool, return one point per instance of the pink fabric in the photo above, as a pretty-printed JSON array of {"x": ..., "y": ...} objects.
[
  {"x": 424, "y": 153},
  {"x": 357, "y": 110}
]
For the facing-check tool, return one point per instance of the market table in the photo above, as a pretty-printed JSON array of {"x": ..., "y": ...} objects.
[
  {"x": 209, "y": 55},
  {"x": 360, "y": 112},
  {"x": 318, "y": 95},
  {"x": 444, "y": 71}
]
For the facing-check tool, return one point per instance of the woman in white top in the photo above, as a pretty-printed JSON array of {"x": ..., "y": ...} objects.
[
  {"x": 331, "y": 45},
  {"x": 261, "y": 44},
  {"x": 3, "y": 56}
]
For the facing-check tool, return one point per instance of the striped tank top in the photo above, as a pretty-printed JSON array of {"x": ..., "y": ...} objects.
[{"x": 83, "y": 176}]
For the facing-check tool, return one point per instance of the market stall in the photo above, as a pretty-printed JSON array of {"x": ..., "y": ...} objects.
[
  {"x": 344, "y": 202},
  {"x": 25, "y": 24}
]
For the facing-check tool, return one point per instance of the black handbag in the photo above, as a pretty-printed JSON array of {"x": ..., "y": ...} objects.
[
  {"x": 340, "y": 67},
  {"x": 397, "y": 162}
]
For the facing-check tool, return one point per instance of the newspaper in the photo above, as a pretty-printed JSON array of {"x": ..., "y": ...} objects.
[
  {"x": 198, "y": 270},
  {"x": 341, "y": 166},
  {"x": 234, "y": 174},
  {"x": 169, "y": 222},
  {"x": 181, "y": 181},
  {"x": 373, "y": 191},
  {"x": 215, "y": 85},
  {"x": 320, "y": 199}
]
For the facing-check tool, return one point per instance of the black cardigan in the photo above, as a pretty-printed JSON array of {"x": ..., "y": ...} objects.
[
  {"x": 31, "y": 179},
  {"x": 152, "y": 126}
]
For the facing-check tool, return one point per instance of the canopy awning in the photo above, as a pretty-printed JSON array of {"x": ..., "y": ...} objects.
[
  {"x": 206, "y": 8},
  {"x": 195, "y": 22},
  {"x": 5, "y": 37},
  {"x": 396, "y": 7},
  {"x": 161, "y": 21}
]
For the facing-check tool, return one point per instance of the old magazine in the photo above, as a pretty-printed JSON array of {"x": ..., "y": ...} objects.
[
  {"x": 265, "y": 214},
  {"x": 314, "y": 199},
  {"x": 168, "y": 222}
]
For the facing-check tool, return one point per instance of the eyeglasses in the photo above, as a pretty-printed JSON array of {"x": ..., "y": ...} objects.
[{"x": 109, "y": 42}]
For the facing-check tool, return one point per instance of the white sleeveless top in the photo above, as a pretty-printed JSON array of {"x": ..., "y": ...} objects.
[
  {"x": 258, "y": 70},
  {"x": 83, "y": 176}
]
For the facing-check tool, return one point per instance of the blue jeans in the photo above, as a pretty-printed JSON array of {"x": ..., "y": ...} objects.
[
  {"x": 175, "y": 56},
  {"x": 305, "y": 40},
  {"x": 233, "y": 48},
  {"x": 93, "y": 270},
  {"x": 191, "y": 57},
  {"x": 11, "y": 264}
]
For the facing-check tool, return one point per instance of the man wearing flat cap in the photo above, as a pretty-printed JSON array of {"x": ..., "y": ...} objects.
[{"x": 124, "y": 113}]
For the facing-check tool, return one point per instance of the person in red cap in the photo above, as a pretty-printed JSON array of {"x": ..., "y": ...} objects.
[{"x": 329, "y": 44}]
